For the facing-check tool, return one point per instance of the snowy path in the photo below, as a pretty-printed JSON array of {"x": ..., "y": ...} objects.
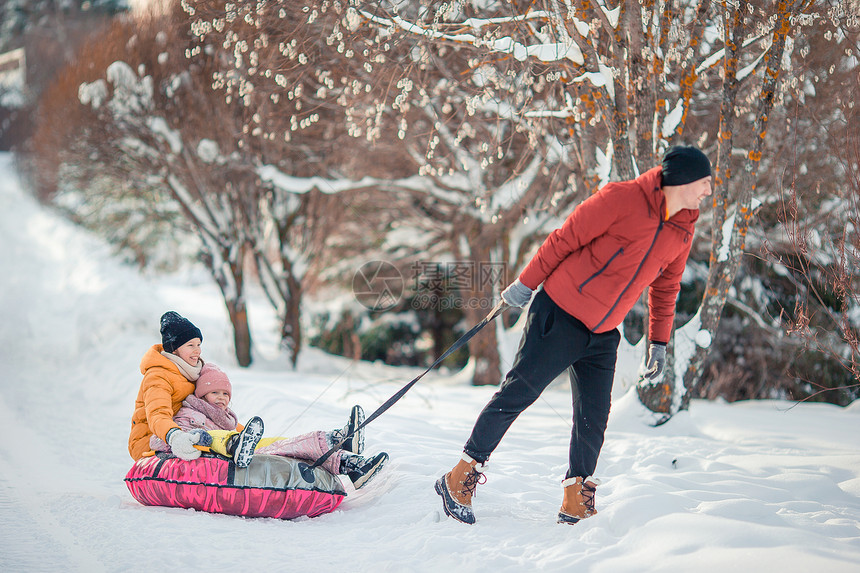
[{"x": 750, "y": 486}]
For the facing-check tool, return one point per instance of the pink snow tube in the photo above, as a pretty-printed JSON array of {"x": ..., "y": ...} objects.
[{"x": 271, "y": 486}]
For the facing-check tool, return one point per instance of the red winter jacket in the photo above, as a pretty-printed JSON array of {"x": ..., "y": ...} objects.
[{"x": 614, "y": 245}]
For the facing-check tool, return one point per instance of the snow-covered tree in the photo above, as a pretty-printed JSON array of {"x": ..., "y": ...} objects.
[
  {"x": 630, "y": 74},
  {"x": 813, "y": 248},
  {"x": 472, "y": 172},
  {"x": 146, "y": 147},
  {"x": 754, "y": 82},
  {"x": 465, "y": 131}
]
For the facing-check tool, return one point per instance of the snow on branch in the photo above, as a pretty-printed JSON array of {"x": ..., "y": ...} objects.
[
  {"x": 550, "y": 52},
  {"x": 158, "y": 126},
  {"x": 717, "y": 56},
  {"x": 751, "y": 67},
  {"x": 603, "y": 79},
  {"x": 604, "y": 163},
  {"x": 611, "y": 15},
  {"x": 302, "y": 185},
  {"x": 672, "y": 119}
]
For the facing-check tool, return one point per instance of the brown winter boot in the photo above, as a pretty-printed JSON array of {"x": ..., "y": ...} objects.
[
  {"x": 578, "y": 499},
  {"x": 458, "y": 486}
]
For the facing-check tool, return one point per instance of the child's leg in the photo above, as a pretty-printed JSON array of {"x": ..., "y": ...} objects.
[
  {"x": 268, "y": 442},
  {"x": 242, "y": 447},
  {"x": 238, "y": 445},
  {"x": 359, "y": 469},
  {"x": 220, "y": 439},
  {"x": 307, "y": 447},
  {"x": 355, "y": 444}
]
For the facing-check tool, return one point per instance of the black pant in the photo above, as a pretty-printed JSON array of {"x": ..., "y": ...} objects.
[{"x": 552, "y": 342}]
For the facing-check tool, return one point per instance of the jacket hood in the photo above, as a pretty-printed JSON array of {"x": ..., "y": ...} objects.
[{"x": 153, "y": 357}]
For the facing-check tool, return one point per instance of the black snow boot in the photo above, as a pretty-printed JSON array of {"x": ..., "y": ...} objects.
[
  {"x": 355, "y": 443},
  {"x": 360, "y": 470},
  {"x": 241, "y": 446}
]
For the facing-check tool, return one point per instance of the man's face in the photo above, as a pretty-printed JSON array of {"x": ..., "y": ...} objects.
[{"x": 691, "y": 194}]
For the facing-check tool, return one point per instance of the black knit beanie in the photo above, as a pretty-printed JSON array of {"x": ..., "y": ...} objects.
[
  {"x": 176, "y": 331},
  {"x": 684, "y": 164}
]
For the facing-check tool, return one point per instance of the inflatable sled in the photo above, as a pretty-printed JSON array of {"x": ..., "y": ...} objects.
[{"x": 272, "y": 486}]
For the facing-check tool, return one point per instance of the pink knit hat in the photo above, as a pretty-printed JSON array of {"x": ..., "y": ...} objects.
[{"x": 211, "y": 379}]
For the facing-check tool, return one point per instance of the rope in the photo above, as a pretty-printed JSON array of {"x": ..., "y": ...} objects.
[{"x": 307, "y": 471}]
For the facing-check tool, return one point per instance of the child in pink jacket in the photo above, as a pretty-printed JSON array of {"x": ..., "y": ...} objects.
[{"x": 208, "y": 413}]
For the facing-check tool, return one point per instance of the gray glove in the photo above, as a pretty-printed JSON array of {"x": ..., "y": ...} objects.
[
  {"x": 182, "y": 444},
  {"x": 517, "y": 294},
  {"x": 653, "y": 371}
]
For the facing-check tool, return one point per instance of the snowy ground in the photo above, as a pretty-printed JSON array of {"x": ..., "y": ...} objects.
[{"x": 750, "y": 486}]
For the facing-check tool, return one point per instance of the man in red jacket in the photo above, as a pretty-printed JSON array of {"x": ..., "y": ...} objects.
[{"x": 626, "y": 237}]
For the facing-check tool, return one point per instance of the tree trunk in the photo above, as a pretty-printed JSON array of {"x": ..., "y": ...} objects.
[
  {"x": 721, "y": 274},
  {"x": 659, "y": 397},
  {"x": 484, "y": 351},
  {"x": 231, "y": 281},
  {"x": 241, "y": 331},
  {"x": 291, "y": 332},
  {"x": 234, "y": 299},
  {"x": 477, "y": 301},
  {"x": 726, "y": 251}
]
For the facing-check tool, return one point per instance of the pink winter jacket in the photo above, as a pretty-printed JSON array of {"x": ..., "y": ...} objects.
[{"x": 197, "y": 413}]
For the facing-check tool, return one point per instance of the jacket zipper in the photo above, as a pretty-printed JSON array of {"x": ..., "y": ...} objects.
[
  {"x": 603, "y": 268},
  {"x": 687, "y": 233},
  {"x": 633, "y": 278}
]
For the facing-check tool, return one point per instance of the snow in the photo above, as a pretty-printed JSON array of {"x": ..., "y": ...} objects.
[
  {"x": 549, "y": 52},
  {"x": 544, "y": 52},
  {"x": 132, "y": 91},
  {"x": 601, "y": 79},
  {"x": 725, "y": 250},
  {"x": 672, "y": 119},
  {"x": 93, "y": 93},
  {"x": 611, "y": 15},
  {"x": 207, "y": 151},
  {"x": 747, "y": 486},
  {"x": 703, "y": 338},
  {"x": 172, "y": 136},
  {"x": 744, "y": 72},
  {"x": 301, "y": 185},
  {"x": 604, "y": 164}
]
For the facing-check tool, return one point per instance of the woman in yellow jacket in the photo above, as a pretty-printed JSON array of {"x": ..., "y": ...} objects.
[{"x": 169, "y": 370}]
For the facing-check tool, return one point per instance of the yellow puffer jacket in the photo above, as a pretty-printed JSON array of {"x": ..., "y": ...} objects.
[{"x": 161, "y": 394}]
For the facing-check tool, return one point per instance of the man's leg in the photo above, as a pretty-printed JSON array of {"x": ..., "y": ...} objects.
[
  {"x": 591, "y": 385},
  {"x": 549, "y": 346}
]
